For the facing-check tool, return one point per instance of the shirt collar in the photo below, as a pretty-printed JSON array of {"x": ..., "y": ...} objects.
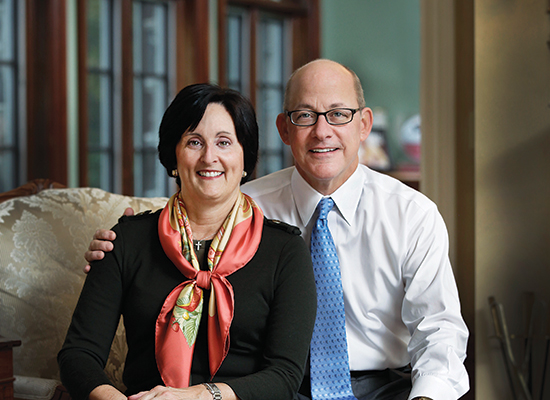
[{"x": 346, "y": 197}]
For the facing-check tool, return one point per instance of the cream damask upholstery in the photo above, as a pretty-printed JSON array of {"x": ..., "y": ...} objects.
[{"x": 43, "y": 238}]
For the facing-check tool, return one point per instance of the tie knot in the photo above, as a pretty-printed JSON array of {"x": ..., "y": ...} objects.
[{"x": 324, "y": 207}]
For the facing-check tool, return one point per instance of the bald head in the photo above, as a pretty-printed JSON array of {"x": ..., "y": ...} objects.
[
  {"x": 322, "y": 69},
  {"x": 325, "y": 154}
]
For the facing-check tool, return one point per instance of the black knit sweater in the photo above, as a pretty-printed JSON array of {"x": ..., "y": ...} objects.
[{"x": 275, "y": 307}]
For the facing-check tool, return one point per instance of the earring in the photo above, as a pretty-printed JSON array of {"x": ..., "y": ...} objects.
[
  {"x": 244, "y": 174},
  {"x": 174, "y": 173}
]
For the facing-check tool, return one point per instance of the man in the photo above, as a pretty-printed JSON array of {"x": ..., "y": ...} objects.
[{"x": 405, "y": 334}]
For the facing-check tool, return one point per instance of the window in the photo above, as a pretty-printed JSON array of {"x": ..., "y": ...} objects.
[
  {"x": 9, "y": 146},
  {"x": 100, "y": 94},
  {"x": 261, "y": 43},
  {"x": 273, "y": 63},
  {"x": 110, "y": 107},
  {"x": 133, "y": 67},
  {"x": 150, "y": 22},
  {"x": 129, "y": 59}
]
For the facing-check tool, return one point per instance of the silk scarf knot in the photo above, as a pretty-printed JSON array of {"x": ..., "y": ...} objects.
[
  {"x": 203, "y": 279},
  {"x": 178, "y": 323}
]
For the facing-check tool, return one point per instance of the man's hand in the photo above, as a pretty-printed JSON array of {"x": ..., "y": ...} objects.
[{"x": 101, "y": 244}]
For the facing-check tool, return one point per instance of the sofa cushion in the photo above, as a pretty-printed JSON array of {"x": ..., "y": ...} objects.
[{"x": 43, "y": 238}]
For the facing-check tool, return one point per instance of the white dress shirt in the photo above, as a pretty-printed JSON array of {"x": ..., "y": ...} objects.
[{"x": 400, "y": 294}]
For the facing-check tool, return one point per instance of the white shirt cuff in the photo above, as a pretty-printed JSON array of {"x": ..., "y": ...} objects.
[{"x": 433, "y": 387}]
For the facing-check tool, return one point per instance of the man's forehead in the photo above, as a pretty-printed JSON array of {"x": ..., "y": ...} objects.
[
  {"x": 316, "y": 104},
  {"x": 323, "y": 97}
]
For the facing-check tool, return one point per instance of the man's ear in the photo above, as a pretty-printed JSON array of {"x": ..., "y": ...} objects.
[
  {"x": 366, "y": 123},
  {"x": 282, "y": 126}
]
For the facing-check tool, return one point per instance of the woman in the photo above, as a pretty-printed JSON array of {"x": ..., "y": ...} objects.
[{"x": 240, "y": 314}]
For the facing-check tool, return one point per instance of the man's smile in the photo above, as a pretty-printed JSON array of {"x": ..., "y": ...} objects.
[{"x": 327, "y": 150}]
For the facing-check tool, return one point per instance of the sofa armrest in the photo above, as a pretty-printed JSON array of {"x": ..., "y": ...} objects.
[
  {"x": 61, "y": 393},
  {"x": 31, "y": 388}
]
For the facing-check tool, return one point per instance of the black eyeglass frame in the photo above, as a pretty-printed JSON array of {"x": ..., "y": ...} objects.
[{"x": 324, "y": 114}]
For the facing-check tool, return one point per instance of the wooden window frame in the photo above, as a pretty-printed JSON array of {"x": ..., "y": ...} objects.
[{"x": 46, "y": 90}]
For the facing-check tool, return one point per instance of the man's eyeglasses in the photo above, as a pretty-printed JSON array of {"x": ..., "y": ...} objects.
[{"x": 336, "y": 116}]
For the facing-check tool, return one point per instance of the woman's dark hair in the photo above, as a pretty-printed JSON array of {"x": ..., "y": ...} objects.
[{"x": 186, "y": 111}]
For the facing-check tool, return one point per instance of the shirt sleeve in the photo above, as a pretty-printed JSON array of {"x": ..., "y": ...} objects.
[
  {"x": 95, "y": 319},
  {"x": 431, "y": 312},
  {"x": 290, "y": 326}
]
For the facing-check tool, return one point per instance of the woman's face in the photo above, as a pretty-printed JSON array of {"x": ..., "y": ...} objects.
[{"x": 210, "y": 159}]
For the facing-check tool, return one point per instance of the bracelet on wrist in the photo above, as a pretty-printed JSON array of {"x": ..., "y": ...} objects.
[{"x": 214, "y": 390}]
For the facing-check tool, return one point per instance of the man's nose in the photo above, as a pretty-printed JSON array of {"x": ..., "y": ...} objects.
[{"x": 322, "y": 129}]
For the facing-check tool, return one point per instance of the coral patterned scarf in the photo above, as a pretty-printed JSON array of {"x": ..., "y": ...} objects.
[{"x": 178, "y": 322}]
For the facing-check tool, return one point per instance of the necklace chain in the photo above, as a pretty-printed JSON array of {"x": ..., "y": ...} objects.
[
  {"x": 198, "y": 243},
  {"x": 208, "y": 237}
]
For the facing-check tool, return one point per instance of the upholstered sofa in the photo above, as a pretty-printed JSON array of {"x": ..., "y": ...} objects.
[{"x": 43, "y": 238}]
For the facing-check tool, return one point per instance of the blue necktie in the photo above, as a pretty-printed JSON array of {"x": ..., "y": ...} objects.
[{"x": 330, "y": 376}]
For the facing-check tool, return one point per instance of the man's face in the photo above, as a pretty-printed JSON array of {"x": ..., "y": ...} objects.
[{"x": 325, "y": 155}]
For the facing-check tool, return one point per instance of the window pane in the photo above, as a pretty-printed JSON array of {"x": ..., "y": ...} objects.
[
  {"x": 9, "y": 152},
  {"x": 150, "y": 37},
  {"x": 272, "y": 149},
  {"x": 100, "y": 95},
  {"x": 7, "y": 177},
  {"x": 271, "y": 50},
  {"x": 99, "y": 33},
  {"x": 234, "y": 51},
  {"x": 100, "y": 132},
  {"x": 150, "y": 95},
  {"x": 7, "y": 103},
  {"x": 99, "y": 169},
  {"x": 150, "y": 22},
  {"x": 7, "y": 39},
  {"x": 270, "y": 91},
  {"x": 150, "y": 99},
  {"x": 153, "y": 179}
]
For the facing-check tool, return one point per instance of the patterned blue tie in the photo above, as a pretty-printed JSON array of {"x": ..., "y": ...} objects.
[{"x": 330, "y": 376}]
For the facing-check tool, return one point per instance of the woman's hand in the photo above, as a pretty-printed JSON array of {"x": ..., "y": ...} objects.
[{"x": 196, "y": 392}]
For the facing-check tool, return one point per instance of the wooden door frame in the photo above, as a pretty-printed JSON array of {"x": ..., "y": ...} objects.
[{"x": 447, "y": 115}]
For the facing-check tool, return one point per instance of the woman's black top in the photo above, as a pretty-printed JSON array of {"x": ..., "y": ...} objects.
[{"x": 275, "y": 306}]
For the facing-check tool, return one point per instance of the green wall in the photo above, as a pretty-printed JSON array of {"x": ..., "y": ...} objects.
[{"x": 380, "y": 41}]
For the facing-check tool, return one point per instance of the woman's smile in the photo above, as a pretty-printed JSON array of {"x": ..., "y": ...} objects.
[{"x": 210, "y": 174}]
